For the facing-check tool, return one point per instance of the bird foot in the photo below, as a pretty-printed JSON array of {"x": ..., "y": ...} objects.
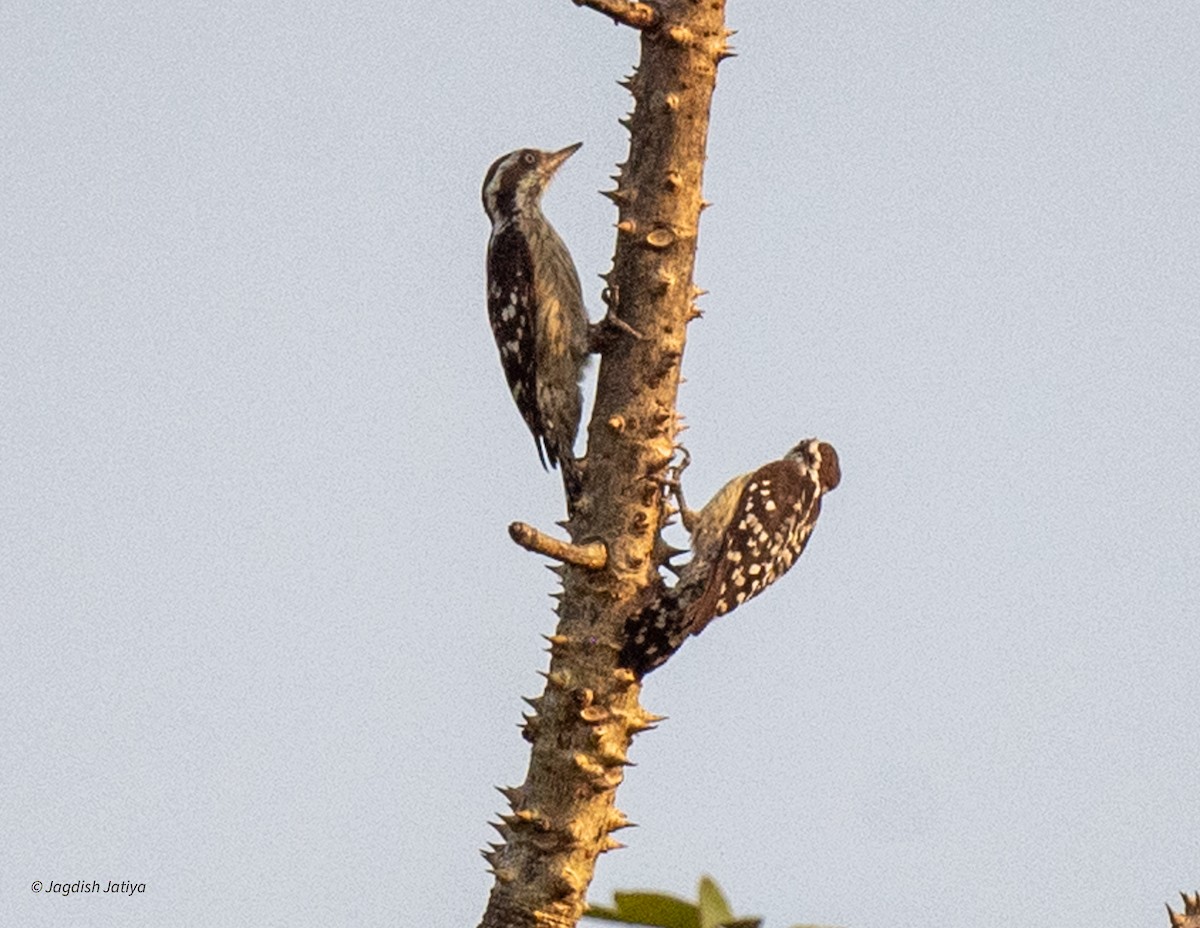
[{"x": 603, "y": 335}]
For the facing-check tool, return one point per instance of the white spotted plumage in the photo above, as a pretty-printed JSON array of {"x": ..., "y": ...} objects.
[
  {"x": 743, "y": 540},
  {"x": 535, "y": 304}
]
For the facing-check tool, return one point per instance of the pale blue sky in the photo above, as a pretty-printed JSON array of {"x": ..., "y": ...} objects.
[{"x": 265, "y": 637}]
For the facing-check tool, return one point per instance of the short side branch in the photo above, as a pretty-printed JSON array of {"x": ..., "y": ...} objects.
[
  {"x": 593, "y": 556},
  {"x": 629, "y": 12}
]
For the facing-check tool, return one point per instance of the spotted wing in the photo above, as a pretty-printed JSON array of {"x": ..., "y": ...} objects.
[
  {"x": 511, "y": 308},
  {"x": 653, "y": 633},
  {"x": 770, "y": 527}
]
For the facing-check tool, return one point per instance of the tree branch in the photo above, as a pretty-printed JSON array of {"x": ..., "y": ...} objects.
[
  {"x": 592, "y": 556},
  {"x": 563, "y": 815},
  {"x": 628, "y": 12}
]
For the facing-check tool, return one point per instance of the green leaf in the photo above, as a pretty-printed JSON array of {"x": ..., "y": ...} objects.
[
  {"x": 654, "y": 909},
  {"x": 714, "y": 909},
  {"x": 658, "y": 910}
]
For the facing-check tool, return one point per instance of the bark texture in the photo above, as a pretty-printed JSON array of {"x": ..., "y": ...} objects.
[
  {"x": 1190, "y": 916},
  {"x": 562, "y": 818}
]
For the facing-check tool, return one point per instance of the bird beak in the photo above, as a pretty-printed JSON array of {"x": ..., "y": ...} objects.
[{"x": 553, "y": 161}]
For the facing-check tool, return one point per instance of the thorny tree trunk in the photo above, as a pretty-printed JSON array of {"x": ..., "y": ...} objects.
[{"x": 562, "y": 817}]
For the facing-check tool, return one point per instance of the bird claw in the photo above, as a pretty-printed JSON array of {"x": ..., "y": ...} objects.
[
  {"x": 673, "y": 482},
  {"x": 614, "y": 321},
  {"x": 685, "y": 460},
  {"x": 602, "y": 334}
]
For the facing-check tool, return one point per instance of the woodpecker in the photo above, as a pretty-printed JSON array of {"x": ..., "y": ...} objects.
[
  {"x": 535, "y": 304},
  {"x": 743, "y": 540}
]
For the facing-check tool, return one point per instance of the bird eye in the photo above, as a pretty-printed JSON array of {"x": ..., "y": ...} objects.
[{"x": 529, "y": 158}]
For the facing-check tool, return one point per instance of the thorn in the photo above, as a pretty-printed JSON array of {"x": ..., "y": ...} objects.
[
  {"x": 660, "y": 238},
  {"x": 588, "y": 766},
  {"x": 561, "y": 887},
  {"x": 644, "y": 721},
  {"x": 615, "y": 758},
  {"x": 665, "y": 552},
  {"x": 613, "y": 778},
  {"x": 584, "y": 697},
  {"x": 680, "y": 35},
  {"x": 503, "y": 828},
  {"x": 616, "y": 820}
]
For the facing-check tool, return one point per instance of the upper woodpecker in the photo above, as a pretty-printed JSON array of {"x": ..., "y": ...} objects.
[{"x": 535, "y": 304}]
